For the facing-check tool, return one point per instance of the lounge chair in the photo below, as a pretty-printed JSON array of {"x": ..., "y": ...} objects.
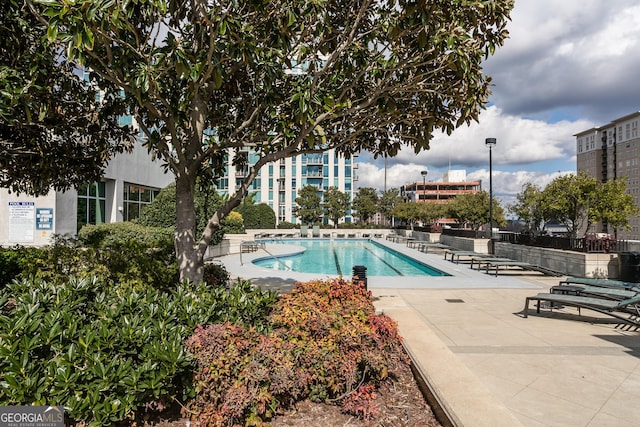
[
  {"x": 597, "y": 291},
  {"x": 495, "y": 265},
  {"x": 315, "y": 231},
  {"x": 479, "y": 260},
  {"x": 605, "y": 283},
  {"x": 457, "y": 254},
  {"x": 304, "y": 231},
  {"x": 426, "y": 247},
  {"x": 627, "y": 311}
]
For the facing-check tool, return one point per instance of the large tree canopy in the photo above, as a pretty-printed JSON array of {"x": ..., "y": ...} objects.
[
  {"x": 54, "y": 132},
  {"x": 389, "y": 199},
  {"x": 365, "y": 202},
  {"x": 335, "y": 204},
  {"x": 472, "y": 210},
  {"x": 531, "y": 208},
  {"x": 308, "y": 205},
  {"x": 281, "y": 77},
  {"x": 578, "y": 201}
]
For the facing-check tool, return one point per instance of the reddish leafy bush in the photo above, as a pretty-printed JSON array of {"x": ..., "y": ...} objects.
[
  {"x": 326, "y": 344},
  {"x": 360, "y": 402}
]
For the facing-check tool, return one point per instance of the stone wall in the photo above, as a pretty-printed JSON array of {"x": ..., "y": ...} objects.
[
  {"x": 567, "y": 262},
  {"x": 466, "y": 244}
]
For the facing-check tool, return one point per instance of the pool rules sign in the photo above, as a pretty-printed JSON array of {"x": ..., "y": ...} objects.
[
  {"x": 25, "y": 219},
  {"x": 22, "y": 222}
]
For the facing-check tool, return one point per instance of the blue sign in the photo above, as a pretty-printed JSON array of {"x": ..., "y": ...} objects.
[{"x": 44, "y": 219}]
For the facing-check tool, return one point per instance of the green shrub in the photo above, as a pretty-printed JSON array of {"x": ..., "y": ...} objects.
[
  {"x": 233, "y": 223},
  {"x": 113, "y": 257},
  {"x": 258, "y": 216},
  {"x": 215, "y": 275},
  {"x": 132, "y": 253},
  {"x": 11, "y": 263},
  {"x": 116, "y": 233},
  {"x": 56, "y": 262},
  {"x": 105, "y": 352},
  {"x": 327, "y": 344},
  {"x": 285, "y": 225},
  {"x": 161, "y": 212}
]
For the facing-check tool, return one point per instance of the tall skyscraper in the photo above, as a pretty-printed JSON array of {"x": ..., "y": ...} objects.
[
  {"x": 278, "y": 183},
  {"x": 611, "y": 151}
]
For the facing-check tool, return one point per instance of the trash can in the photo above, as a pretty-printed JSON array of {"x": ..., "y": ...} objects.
[
  {"x": 360, "y": 274},
  {"x": 629, "y": 266}
]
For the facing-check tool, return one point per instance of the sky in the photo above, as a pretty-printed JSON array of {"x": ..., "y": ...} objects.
[{"x": 568, "y": 65}]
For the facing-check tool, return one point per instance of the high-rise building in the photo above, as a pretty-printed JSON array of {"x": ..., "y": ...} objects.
[
  {"x": 278, "y": 183},
  {"x": 611, "y": 151}
]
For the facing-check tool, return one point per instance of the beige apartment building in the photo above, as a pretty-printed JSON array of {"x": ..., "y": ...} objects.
[
  {"x": 453, "y": 184},
  {"x": 611, "y": 151}
]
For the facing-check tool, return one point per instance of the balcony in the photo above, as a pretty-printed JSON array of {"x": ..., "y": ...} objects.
[{"x": 313, "y": 160}]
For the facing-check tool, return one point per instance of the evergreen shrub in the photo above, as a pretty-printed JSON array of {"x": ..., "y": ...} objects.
[{"x": 108, "y": 353}]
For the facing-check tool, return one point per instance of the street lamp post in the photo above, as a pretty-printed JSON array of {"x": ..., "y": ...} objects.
[
  {"x": 490, "y": 142},
  {"x": 424, "y": 183}
]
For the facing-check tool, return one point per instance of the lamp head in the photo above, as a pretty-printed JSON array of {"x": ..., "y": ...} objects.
[
  {"x": 490, "y": 142},
  {"x": 424, "y": 172}
]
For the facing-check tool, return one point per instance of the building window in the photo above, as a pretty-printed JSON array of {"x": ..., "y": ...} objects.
[
  {"x": 223, "y": 184},
  {"x": 91, "y": 204},
  {"x": 135, "y": 198}
]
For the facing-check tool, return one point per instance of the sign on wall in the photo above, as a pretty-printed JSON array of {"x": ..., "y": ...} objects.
[
  {"x": 44, "y": 219},
  {"x": 22, "y": 221}
]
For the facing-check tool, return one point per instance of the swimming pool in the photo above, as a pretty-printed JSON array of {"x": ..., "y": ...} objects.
[{"x": 339, "y": 256}]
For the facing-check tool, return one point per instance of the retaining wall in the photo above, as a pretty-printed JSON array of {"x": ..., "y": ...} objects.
[{"x": 571, "y": 263}]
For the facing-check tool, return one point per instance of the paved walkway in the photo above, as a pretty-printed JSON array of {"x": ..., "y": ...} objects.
[{"x": 488, "y": 365}]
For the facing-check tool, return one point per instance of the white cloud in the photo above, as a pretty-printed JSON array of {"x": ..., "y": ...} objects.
[
  {"x": 519, "y": 141},
  {"x": 568, "y": 66},
  {"x": 397, "y": 175},
  {"x": 579, "y": 55}
]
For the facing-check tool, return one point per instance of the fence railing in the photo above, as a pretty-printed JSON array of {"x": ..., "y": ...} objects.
[
  {"x": 471, "y": 234},
  {"x": 578, "y": 244}
]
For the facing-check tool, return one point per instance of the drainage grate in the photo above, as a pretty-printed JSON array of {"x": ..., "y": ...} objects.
[{"x": 453, "y": 300}]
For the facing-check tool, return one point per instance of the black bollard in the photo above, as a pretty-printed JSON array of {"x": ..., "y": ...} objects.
[{"x": 360, "y": 274}]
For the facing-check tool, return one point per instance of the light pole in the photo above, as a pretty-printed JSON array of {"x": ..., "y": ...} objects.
[
  {"x": 490, "y": 142},
  {"x": 424, "y": 183}
]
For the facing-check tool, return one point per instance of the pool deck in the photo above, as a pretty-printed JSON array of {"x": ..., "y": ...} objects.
[{"x": 487, "y": 364}]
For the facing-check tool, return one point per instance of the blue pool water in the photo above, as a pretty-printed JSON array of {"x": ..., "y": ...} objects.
[{"x": 338, "y": 257}]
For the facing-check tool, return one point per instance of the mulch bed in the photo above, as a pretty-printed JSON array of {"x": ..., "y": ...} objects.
[{"x": 399, "y": 400}]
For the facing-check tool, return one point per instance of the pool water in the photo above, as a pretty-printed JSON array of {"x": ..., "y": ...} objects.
[{"x": 338, "y": 257}]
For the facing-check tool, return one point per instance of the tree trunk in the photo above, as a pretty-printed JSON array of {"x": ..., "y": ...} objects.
[{"x": 190, "y": 260}]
